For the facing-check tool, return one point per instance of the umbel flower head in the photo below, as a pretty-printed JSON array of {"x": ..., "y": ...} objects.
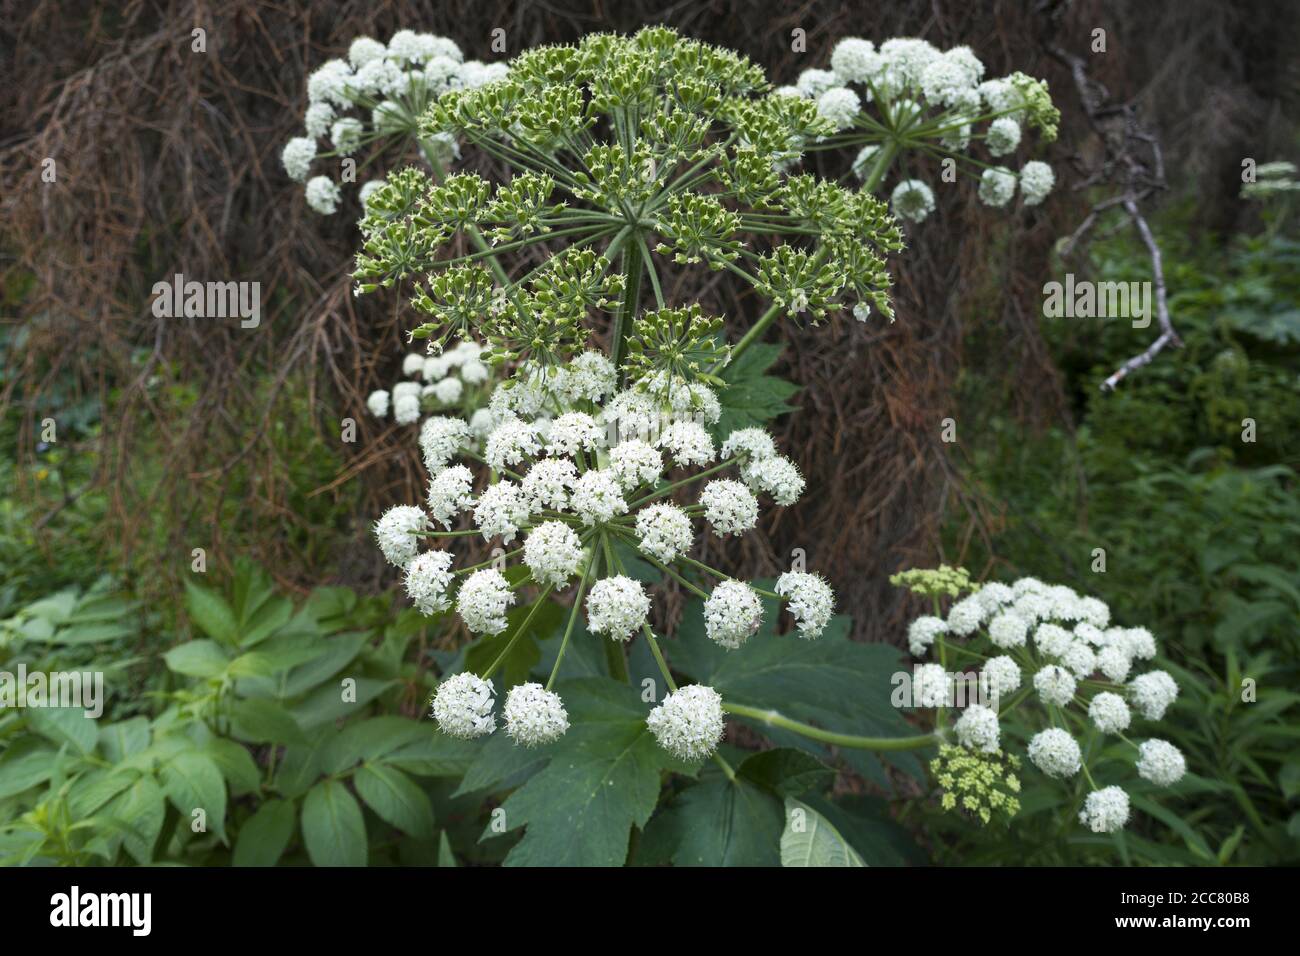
[
  {"x": 1076, "y": 667},
  {"x": 582, "y": 488},
  {"x": 374, "y": 98},
  {"x": 456, "y": 380},
  {"x": 906, "y": 94}
]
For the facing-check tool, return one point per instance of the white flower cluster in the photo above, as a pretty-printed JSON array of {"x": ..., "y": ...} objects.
[
  {"x": 1080, "y": 665},
  {"x": 387, "y": 87},
  {"x": 433, "y": 382},
  {"x": 579, "y": 471},
  {"x": 939, "y": 97}
]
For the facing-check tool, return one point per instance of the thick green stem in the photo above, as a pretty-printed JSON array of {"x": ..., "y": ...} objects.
[
  {"x": 573, "y": 615},
  {"x": 774, "y": 719},
  {"x": 883, "y": 161},
  {"x": 514, "y": 639},
  {"x": 631, "y": 303}
]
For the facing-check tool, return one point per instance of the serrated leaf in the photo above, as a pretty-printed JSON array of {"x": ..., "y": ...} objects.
[
  {"x": 333, "y": 828},
  {"x": 751, "y": 396}
]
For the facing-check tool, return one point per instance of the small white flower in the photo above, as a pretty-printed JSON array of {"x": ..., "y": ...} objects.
[
  {"x": 1105, "y": 810},
  {"x": 665, "y": 532},
  {"x": 932, "y": 686},
  {"x": 689, "y": 722},
  {"x": 912, "y": 199},
  {"x": 688, "y": 443},
  {"x": 329, "y": 82},
  {"x": 574, "y": 432},
  {"x": 778, "y": 476},
  {"x": 474, "y": 372},
  {"x": 632, "y": 414},
  {"x": 406, "y": 408},
  {"x": 1055, "y": 685},
  {"x": 365, "y": 49},
  {"x": 1109, "y": 713},
  {"x": 377, "y": 403},
  {"x": 994, "y": 595},
  {"x": 840, "y": 105},
  {"x": 1056, "y": 753},
  {"x": 590, "y": 377},
  {"x": 1141, "y": 644},
  {"x": 502, "y": 509},
  {"x": 854, "y": 60},
  {"x": 729, "y": 506},
  {"x": 922, "y": 632},
  {"x": 1008, "y": 629},
  {"x": 813, "y": 83},
  {"x": 977, "y": 729},
  {"x": 449, "y": 390},
  {"x": 966, "y": 615},
  {"x": 1052, "y": 640},
  {"x": 553, "y": 553},
  {"x": 1033, "y": 606},
  {"x": 346, "y": 135},
  {"x": 1160, "y": 762},
  {"x": 617, "y": 606},
  {"x": 412, "y": 364},
  {"x": 633, "y": 463},
  {"x": 1079, "y": 659},
  {"x": 450, "y": 493},
  {"x": 1152, "y": 693},
  {"x": 547, "y": 483},
  {"x": 481, "y": 423},
  {"x": 732, "y": 614},
  {"x": 997, "y": 186},
  {"x": 750, "y": 444},
  {"x": 483, "y": 600},
  {"x": 297, "y": 156},
  {"x": 510, "y": 442},
  {"x": 534, "y": 715},
  {"x": 1036, "y": 181},
  {"x": 427, "y": 581},
  {"x": 811, "y": 601},
  {"x": 1003, "y": 136},
  {"x": 1093, "y": 611},
  {"x": 597, "y": 497},
  {"x": 379, "y": 78},
  {"x": 317, "y": 120},
  {"x": 865, "y": 161},
  {"x": 462, "y": 705},
  {"x": 1114, "y": 662},
  {"x": 1001, "y": 675},
  {"x": 441, "y": 438},
  {"x": 323, "y": 195},
  {"x": 395, "y": 532}
]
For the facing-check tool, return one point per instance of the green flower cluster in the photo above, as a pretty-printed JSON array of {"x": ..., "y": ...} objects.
[
  {"x": 932, "y": 582},
  {"x": 976, "y": 782}
]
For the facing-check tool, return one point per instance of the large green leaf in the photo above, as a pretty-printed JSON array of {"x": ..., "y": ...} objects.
[
  {"x": 603, "y": 778},
  {"x": 261, "y": 721},
  {"x": 210, "y": 612},
  {"x": 719, "y": 822},
  {"x": 65, "y": 725},
  {"x": 332, "y": 826},
  {"x": 201, "y": 658},
  {"x": 525, "y": 654},
  {"x": 395, "y": 799},
  {"x": 23, "y": 769},
  {"x": 809, "y": 839},
  {"x": 139, "y": 812},
  {"x": 192, "y": 781},
  {"x": 263, "y": 838},
  {"x": 370, "y": 739}
]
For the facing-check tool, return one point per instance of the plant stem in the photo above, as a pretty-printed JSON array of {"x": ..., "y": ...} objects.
[
  {"x": 887, "y": 153},
  {"x": 748, "y": 339},
  {"x": 613, "y": 649},
  {"x": 775, "y": 719},
  {"x": 573, "y": 615},
  {"x": 631, "y": 303},
  {"x": 514, "y": 639}
]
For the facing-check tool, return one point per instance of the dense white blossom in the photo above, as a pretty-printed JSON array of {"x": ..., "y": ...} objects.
[
  {"x": 1052, "y": 640},
  {"x": 1109, "y": 713},
  {"x": 441, "y": 439},
  {"x": 483, "y": 601},
  {"x": 688, "y": 443},
  {"x": 534, "y": 715},
  {"x": 450, "y": 493},
  {"x": 297, "y": 156},
  {"x": 966, "y": 615},
  {"x": 689, "y": 722},
  {"x": 1007, "y": 629},
  {"x": 1160, "y": 762},
  {"x": 462, "y": 706},
  {"x": 854, "y": 60},
  {"x": 1001, "y": 675},
  {"x": 502, "y": 509},
  {"x": 634, "y": 462},
  {"x": 1036, "y": 181},
  {"x": 548, "y": 481},
  {"x": 1079, "y": 659},
  {"x": 1055, "y": 685},
  {"x": 839, "y": 105},
  {"x": 597, "y": 497},
  {"x": 377, "y": 403},
  {"x": 1152, "y": 693},
  {"x": 732, "y": 614},
  {"x": 932, "y": 686},
  {"x": 616, "y": 607},
  {"x": 427, "y": 579},
  {"x": 1114, "y": 662},
  {"x": 977, "y": 728},
  {"x": 323, "y": 195},
  {"x": 553, "y": 553},
  {"x": 912, "y": 200},
  {"x": 1003, "y": 136},
  {"x": 922, "y": 632},
  {"x": 574, "y": 432},
  {"x": 510, "y": 442},
  {"x": 1055, "y": 752},
  {"x": 750, "y": 444},
  {"x": 1105, "y": 810},
  {"x": 811, "y": 601},
  {"x": 729, "y": 506},
  {"x": 997, "y": 186},
  {"x": 664, "y": 531},
  {"x": 396, "y": 533},
  {"x": 778, "y": 476}
]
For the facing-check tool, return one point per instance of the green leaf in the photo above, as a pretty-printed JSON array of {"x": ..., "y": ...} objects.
[
  {"x": 22, "y": 771},
  {"x": 210, "y": 612},
  {"x": 786, "y": 772},
  {"x": 332, "y": 826},
  {"x": 202, "y": 659},
  {"x": 96, "y": 788},
  {"x": 751, "y": 396},
  {"x": 64, "y": 725},
  {"x": 395, "y": 799},
  {"x": 326, "y": 703},
  {"x": 125, "y": 738},
  {"x": 277, "y": 655},
  {"x": 370, "y": 739},
  {"x": 139, "y": 812},
  {"x": 445, "y": 856},
  {"x": 235, "y": 763},
  {"x": 435, "y": 755},
  {"x": 720, "y": 822},
  {"x": 192, "y": 782},
  {"x": 263, "y": 838},
  {"x": 524, "y": 656},
  {"x": 809, "y": 839},
  {"x": 602, "y": 779},
  {"x": 261, "y": 721}
]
